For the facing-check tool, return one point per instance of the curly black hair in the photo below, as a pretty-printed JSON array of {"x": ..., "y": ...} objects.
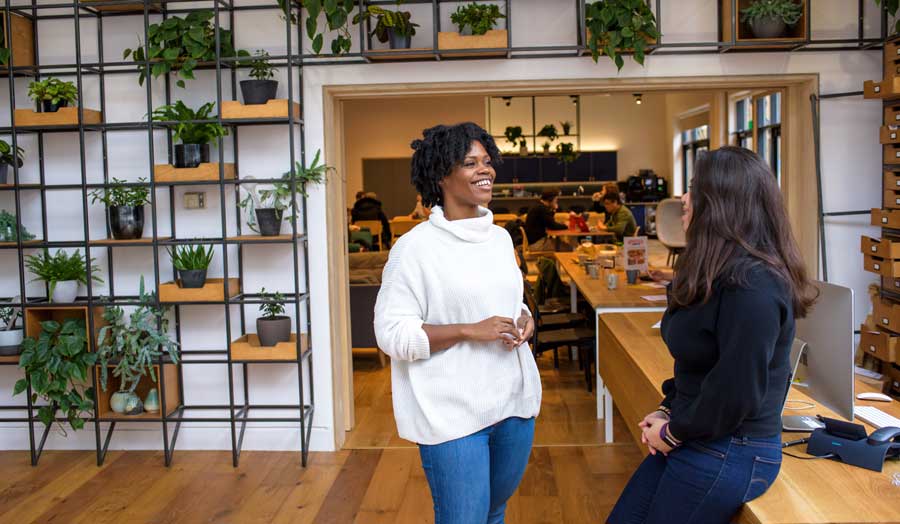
[{"x": 442, "y": 148}]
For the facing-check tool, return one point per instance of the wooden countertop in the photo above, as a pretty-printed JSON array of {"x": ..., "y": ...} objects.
[
  {"x": 634, "y": 361},
  {"x": 596, "y": 292}
]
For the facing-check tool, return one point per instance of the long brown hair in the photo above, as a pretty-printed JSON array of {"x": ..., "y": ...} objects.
[{"x": 739, "y": 222}]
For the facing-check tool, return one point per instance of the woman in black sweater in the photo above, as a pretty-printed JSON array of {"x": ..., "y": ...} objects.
[{"x": 715, "y": 442}]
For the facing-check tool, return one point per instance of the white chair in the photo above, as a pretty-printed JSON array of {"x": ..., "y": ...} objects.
[{"x": 669, "y": 230}]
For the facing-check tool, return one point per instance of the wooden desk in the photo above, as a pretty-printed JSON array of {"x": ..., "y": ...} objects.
[
  {"x": 624, "y": 299},
  {"x": 636, "y": 362},
  {"x": 577, "y": 233}
]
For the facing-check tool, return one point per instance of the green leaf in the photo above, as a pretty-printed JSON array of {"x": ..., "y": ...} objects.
[
  {"x": 330, "y": 6},
  {"x": 21, "y": 385},
  {"x": 180, "y": 83},
  {"x": 311, "y": 27},
  {"x": 317, "y": 44}
]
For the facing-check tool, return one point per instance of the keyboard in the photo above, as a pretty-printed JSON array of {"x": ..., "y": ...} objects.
[{"x": 875, "y": 417}]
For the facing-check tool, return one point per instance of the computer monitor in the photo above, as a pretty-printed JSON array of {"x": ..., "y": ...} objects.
[
  {"x": 805, "y": 423},
  {"x": 828, "y": 331}
]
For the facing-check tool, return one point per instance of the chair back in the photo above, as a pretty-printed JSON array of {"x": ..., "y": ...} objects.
[
  {"x": 525, "y": 251},
  {"x": 403, "y": 224},
  {"x": 562, "y": 218},
  {"x": 595, "y": 219},
  {"x": 502, "y": 218},
  {"x": 668, "y": 223},
  {"x": 532, "y": 304},
  {"x": 374, "y": 227}
]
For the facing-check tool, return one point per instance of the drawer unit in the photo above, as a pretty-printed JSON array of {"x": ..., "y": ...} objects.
[
  {"x": 879, "y": 344},
  {"x": 891, "y": 154},
  {"x": 881, "y": 248},
  {"x": 881, "y": 266},
  {"x": 892, "y": 115},
  {"x": 886, "y": 218},
  {"x": 890, "y": 135},
  {"x": 892, "y": 180},
  {"x": 891, "y": 199},
  {"x": 887, "y": 315}
]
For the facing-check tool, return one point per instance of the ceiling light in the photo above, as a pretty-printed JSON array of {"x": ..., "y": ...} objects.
[
  {"x": 574, "y": 99},
  {"x": 638, "y": 99},
  {"x": 507, "y": 99}
]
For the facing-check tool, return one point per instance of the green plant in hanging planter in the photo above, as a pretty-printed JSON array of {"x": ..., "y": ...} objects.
[
  {"x": 186, "y": 128},
  {"x": 566, "y": 153},
  {"x": 180, "y": 45},
  {"x": 54, "y": 91},
  {"x": 770, "y": 18},
  {"x": 387, "y": 22},
  {"x": 8, "y": 228},
  {"x": 476, "y": 18},
  {"x": 615, "y": 26},
  {"x": 135, "y": 344},
  {"x": 550, "y": 133},
  {"x": 57, "y": 364},
  {"x": 338, "y": 16}
]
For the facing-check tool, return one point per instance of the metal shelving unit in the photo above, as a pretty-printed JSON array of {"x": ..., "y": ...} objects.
[{"x": 238, "y": 408}]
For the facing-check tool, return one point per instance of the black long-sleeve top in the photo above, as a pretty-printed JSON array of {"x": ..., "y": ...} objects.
[
  {"x": 538, "y": 221},
  {"x": 731, "y": 360}
]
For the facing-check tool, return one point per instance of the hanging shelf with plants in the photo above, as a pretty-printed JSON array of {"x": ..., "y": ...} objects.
[
  {"x": 54, "y": 97},
  {"x": 476, "y": 24},
  {"x": 394, "y": 28},
  {"x": 765, "y": 24},
  {"x": 259, "y": 95},
  {"x": 191, "y": 156},
  {"x": 616, "y": 27}
]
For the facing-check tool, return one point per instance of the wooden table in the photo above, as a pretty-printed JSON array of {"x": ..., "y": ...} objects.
[
  {"x": 577, "y": 233},
  {"x": 637, "y": 362},
  {"x": 624, "y": 299}
]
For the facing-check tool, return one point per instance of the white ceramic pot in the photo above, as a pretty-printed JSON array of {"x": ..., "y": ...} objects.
[
  {"x": 10, "y": 342},
  {"x": 65, "y": 292}
]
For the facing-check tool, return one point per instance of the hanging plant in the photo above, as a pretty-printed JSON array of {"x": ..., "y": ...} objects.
[
  {"x": 616, "y": 26},
  {"x": 338, "y": 16},
  {"x": 566, "y": 153},
  {"x": 180, "y": 45}
]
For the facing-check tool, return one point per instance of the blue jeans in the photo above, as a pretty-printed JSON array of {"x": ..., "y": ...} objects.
[
  {"x": 472, "y": 477},
  {"x": 700, "y": 482}
]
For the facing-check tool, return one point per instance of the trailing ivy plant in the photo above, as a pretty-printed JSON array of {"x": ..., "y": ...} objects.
[
  {"x": 135, "y": 344},
  {"x": 180, "y": 45},
  {"x": 615, "y": 26},
  {"x": 480, "y": 17},
  {"x": 338, "y": 17},
  {"x": 891, "y": 6},
  {"x": 58, "y": 364},
  {"x": 119, "y": 194}
]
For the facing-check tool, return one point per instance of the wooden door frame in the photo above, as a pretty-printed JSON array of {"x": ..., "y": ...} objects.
[{"x": 798, "y": 179}]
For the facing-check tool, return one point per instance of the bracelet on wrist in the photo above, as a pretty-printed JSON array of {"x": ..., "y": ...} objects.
[{"x": 667, "y": 437}]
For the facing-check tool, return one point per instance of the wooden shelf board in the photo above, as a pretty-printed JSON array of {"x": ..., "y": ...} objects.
[
  {"x": 10, "y": 358},
  {"x": 259, "y": 238},
  {"x": 120, "y": 8},
  {"x": 113, "y": 241},
  {"x": 212, "y": 291},
  {"x": 247, "y": 348},
  {"x": 170, "y": 403},
  {"x": 25, "y": 243},
  {"x": 205, "y": 172},
  {"x": 276, "y": 108},
  {"x": 495, "y": 40},
  {"x": 397, "y": 54},
  {"x": 66, "y": 116}
]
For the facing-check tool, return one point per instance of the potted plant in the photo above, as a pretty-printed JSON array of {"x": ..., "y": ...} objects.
[
  {"x": 180, "y": 45},
  {"x": 10, "y": 333},
  {"x": 194, "y": 136},
  {"x": 62, "y": 272},
  {"x": 391, "y": 26},
  {"x": 262, "y": 88},
  {"x": 191, "y": 261},
  {"x": 549, "y": 132},
  {"x": 132, "y": 346},
  {"x": 614, "y": 26},
  {"x": 7, "y": 157},
  {"x": 57, "y": 364},
  {"x": 475, "y": 18},
  {"x": 566, "y": 127},
  {"x": 771, "y": 18},
  {"x": 265, "y": 207},
  {"x": 125, "y": 205},
  {"x": 273, "y": 327},
  {"x": 8, "y": 228},
  {"x": 515, "y": 137},
  {"x": 566, "y": 153},
  {"x": 53, "y": 93}
]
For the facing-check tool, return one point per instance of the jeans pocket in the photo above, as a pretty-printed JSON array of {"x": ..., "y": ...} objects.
[
  {"x": 706, "y": 450},
  {"x": 764, "y": 472}
]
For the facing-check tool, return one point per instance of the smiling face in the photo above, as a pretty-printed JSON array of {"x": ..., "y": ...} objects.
[{"x": 471, "y": 183}]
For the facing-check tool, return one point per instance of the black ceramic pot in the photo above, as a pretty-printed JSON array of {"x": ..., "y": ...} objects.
[
  {"x": 269, "y": 221},
  {"x": 399, "y": 41},
  {"x": 191, "y": 155},
  {"x": 126, "y": 222},
  {"x": 50, "y": 107},
  {"x": 273, "y": 330},
  {"x": 768, "y": 27},
  {"x": 258, "y": 91},
  {"x": 192, "y": 278}
]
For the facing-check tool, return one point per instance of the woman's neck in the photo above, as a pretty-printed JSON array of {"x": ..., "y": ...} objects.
[{"x": 456, "y": 211}]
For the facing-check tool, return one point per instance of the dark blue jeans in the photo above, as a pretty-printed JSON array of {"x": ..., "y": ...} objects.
[
  {"x": 472, "y": 477},
  {"x": 700, "y": 482}
]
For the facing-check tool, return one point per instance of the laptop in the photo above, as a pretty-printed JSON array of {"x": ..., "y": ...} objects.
[{"x": 798, "y": 423}]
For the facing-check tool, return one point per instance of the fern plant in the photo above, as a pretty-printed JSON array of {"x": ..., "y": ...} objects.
[
  {"x": 60, "y": 267},
  {"x": 186, "y": 129}
]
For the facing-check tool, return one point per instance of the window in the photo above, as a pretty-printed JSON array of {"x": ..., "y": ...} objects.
[
  {"x": 742, "y": 134},
  {"x": 693, "y": 142}
]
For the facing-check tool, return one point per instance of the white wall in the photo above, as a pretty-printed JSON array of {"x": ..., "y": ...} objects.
[{"x": 850, "y": 165}]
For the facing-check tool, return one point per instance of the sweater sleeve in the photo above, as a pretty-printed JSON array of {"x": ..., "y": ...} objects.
[
  {"x": 617, "y": 223},
  {"x": 550, "y": 220},
  {"x": 669, "y": 390},
  {"x": 400, "y": 310},
  {"x": 747, "y": 329}
]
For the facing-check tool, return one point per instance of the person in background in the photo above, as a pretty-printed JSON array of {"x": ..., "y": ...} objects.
[
  {"x": 715, "y": 442},
  {"x": 597, "y": 198},
  {"x": 540, "y": 219},
  {"x": 368, "y": 207},
  {"x": 420, "y": 212},
  {"x": 450, "y": 314},
  {"x": 619, "y": 219}
]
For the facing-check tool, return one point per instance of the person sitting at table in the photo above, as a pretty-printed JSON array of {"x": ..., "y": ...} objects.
[
  {"x": 619, "y": 219},
  {"x": 420, "y": 212},
  {"x": 715, "y": 442},
  {"x": 540, "y": 219},
  {"x": 368, "y": 207},
  {"x": 597, "y": 198}
]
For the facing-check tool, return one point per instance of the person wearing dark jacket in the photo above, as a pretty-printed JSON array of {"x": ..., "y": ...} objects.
[
  {"x": 715, "y": 441},
  {"x": 369, "y": 208},
  {"x": 540, "y": 219}
]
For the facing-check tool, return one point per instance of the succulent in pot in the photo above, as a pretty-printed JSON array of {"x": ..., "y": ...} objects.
[
  {"x": 53, "y": 93},
  {"x": 771, "y": 18},
  {"x": 391, "y": 26},
  {"x": 125, "y": 206},
  {"x": 194, "y": 136},
  {"x": 273, "y": 326},
  {"x": 261, "y": 88},
  {"x": 11, "y": 333},
  {"x": 192, "y": 262},
  {"x": 7, "y": 158},
  {"x": 130, "y": 348},
  {"x": 64, "y": 273}
]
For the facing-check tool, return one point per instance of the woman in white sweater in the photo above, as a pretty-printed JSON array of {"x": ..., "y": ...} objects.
[{"x": 450, "y": 315}]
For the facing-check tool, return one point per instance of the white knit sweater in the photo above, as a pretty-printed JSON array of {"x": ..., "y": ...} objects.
[{"x": 453, "y": 272}]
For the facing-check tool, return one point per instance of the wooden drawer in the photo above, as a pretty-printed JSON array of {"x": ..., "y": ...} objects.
[
  {"x": 891, "y": 58},
  {"x": 891, "y": 199},
  {"x": 880, "y": 266},
  {"x": 893, "y": 374},
  {"x": 891, "y": 285},
  {"x": 892, "y": 115},
  {"x": 888, "y": 89},
  {"x": 881, "y": 248},
  {"x": 886, "y": 218},
  {"x": 892, "y": 180},
  {"x": 891, "y": 154},
  {"x": 880, "y": 345},
  {"x": 890, "y": 134},
  {"x": 887, "y": 315}
]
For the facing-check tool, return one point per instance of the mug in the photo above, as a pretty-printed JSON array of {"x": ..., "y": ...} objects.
[{"x": 612, "y": 280}]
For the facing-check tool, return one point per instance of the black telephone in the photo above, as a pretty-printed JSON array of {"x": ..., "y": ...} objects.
[{"x": 850, "y": 444}]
